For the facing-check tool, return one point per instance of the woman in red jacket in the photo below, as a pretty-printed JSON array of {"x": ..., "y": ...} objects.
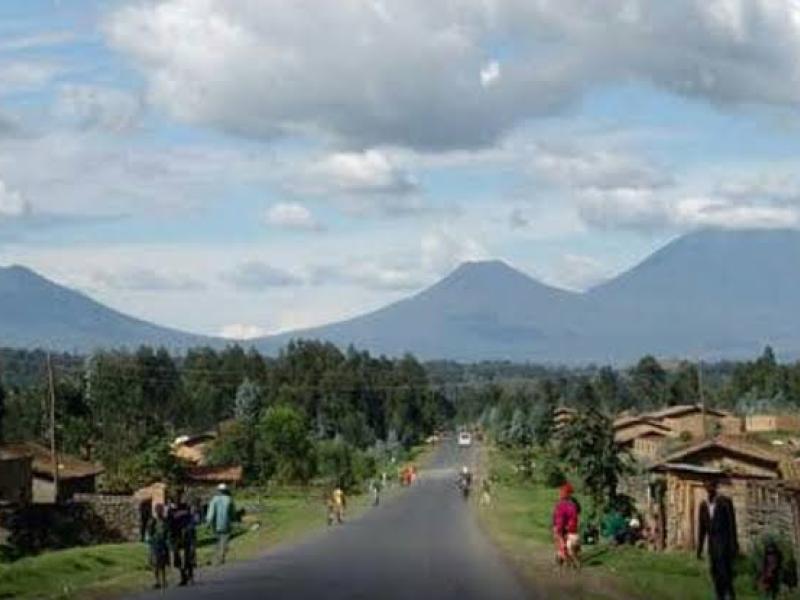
[{"x": 565, "y": 528}]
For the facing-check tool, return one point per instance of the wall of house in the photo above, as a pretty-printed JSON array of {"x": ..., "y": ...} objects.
[
  {"x": 120, "y": 515},
  {"x": 16, "y": 480},
  {"x": 767, "y": 423},
  {"x": 648, "y": 448},
  {"x": 44, "y": 490}
]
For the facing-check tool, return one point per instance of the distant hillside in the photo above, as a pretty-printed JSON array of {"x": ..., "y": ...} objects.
[
  {"x": 709, "y": 294},
  {"x": 35, "y": 312}
]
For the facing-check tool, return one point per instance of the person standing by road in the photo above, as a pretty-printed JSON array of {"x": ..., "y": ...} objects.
[
  {"x": 717, "y": 522},
  {"x": 375, "y": 488},
  {"x": 219, "y": 517}
]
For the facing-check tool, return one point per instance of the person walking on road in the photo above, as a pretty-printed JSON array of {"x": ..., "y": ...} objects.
[
  {"x": 565, "y": 528},
  {"x": 219, "y": 517},
  {"x": 375, "y": 488},
  {"x": 717, "y": 522},
  {"x": 338, "y": 502},
  {"x": 157, "y": 536}
]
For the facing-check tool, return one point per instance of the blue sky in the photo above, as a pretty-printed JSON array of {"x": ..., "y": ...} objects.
[{"x": 235, "y": 167}]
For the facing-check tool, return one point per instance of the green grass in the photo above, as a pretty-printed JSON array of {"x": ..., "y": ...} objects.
[{"x": 520, "y": 521}]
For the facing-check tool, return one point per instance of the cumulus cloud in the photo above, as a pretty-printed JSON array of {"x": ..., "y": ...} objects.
[
  {"x": 254, "y": 276},
  {"x": 405, "y": 72},
  {"x": 98, "y": 107},
  {"x": 45, "y": 39},
  {"x": 291, "y": 215},
  {"x": 242, "y": 331},
  {"x": 383, "y": 275},
  {"x": 138, "y": 279}
]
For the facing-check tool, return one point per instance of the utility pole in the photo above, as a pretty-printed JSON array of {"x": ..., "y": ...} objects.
[
  {"x": 53, "y": 453},
  {"x": 702, "y": 395}
]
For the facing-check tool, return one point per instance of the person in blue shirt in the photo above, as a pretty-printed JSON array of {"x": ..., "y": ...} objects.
[{"x": 219, "y": 517}]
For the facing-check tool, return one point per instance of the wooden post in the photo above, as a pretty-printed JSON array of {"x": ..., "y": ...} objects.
[{"x": 53, "y": 453}]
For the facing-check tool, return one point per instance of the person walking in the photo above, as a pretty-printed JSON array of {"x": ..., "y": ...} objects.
[
  {"x": 338, "y": 501},
  {"x": 375, "y": 487},
  {"x": 565, "y": 528},
  {"x": 158, "y": 541},
  {"x": 717, "y": 523},
  {"x": 183, "y": 537},
  {"x": 219, "y": 517}
]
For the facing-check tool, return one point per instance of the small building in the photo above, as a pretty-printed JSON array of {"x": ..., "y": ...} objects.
[
  {"x": 16, "y": 479},
  {"x": 74, "y": 475},
  {"x": 742, "y": 469},
  {"x": 772, "y": 423},
  {"x": 697, "y": 421},
  {"x": 561, "y": 416},
  {"x": 643, "y": 437},
  {"x": 210, "y": 476}
]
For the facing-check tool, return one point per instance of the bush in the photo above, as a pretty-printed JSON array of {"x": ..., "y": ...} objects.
[
  {"x": 552, "y": 472},
  {"x": 756, "y": 559}
]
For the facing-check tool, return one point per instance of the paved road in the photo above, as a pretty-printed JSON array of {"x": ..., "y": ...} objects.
[{"x": 422, "y": 544}]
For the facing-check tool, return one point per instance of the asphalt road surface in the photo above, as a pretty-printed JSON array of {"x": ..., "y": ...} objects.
[{"x": 422, "y": 544}]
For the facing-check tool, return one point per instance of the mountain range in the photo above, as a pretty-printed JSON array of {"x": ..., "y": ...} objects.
[{"x": 709, "y": 294}]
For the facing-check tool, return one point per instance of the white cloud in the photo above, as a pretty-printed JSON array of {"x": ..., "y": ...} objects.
[
  {"x": 98, "y": 107},
  {"x": 241, "y": 331},
  {"x": 725, "y": 213},
  {"x": 444, "y": 248},
  {"x": 372, "y": 274},
  {"x": 405, "y": 73},
  {"x": 597, "y": 169},
  {"x": 368, "y": 172},
  {"x": 291, "y": 215},
  {"x": 45, "y": 39},
  {"x": 254, "y": 276},
  {"x": 145, "y": 279},
  {"x": 12, "y": 204},
  {"x": 577, "y": 272},
  {"x": 24, "y": 75}
]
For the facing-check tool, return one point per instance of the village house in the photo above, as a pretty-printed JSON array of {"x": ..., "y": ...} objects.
[
  {"x": 696, "y": 421},
  {"x": 772, "y": 423},
  {"x": 642, "y": 436},
  {"x": 16, "y": 479},
  {"x": 561, "y": 416},
  {"x": 74, "y": 475},
  {"x": 762, "y": 483}
]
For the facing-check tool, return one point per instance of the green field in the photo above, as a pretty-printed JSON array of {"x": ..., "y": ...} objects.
[{"x": 519, "y": 521}]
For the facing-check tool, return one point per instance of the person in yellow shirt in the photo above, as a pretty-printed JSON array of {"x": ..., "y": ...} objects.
[{"x": 339, "y": 502}]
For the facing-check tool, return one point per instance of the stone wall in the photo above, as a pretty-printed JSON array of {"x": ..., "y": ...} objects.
[{"x": 120, "y": 515}]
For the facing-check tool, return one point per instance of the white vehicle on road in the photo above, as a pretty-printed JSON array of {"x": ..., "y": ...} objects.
[{"x": 465, "y": 439}]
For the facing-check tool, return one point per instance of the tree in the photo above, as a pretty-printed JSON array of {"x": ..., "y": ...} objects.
[
  {"x": 648, "y": 383},
  {"x": 284, "y": 450},
  {"x": 2, "y": 411},
  {"x": 544, "y": 413},
  {"x": 588, "y": 449},
  {"x": 248, "y": 402}
]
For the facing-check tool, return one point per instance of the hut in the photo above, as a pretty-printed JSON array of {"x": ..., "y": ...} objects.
[
  {"x": 764, "y": 423},
  {"x": 193, "y": 448},
  {"x": 16, "y": 478},
  {"x": 643, "y": 437},
  {"x": 561, "y": 416},
  {"x": 75, "y": 476},
  {"x": 744, "y": 472},
  {"x": 696, "y": 421},
  {"x": 210, "y": 476}
]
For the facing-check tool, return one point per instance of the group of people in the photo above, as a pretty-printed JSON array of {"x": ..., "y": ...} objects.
[{"x": 171, "y": 534}]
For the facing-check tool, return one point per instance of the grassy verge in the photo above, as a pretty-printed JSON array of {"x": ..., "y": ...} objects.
[{"x": 519, "y": 522}]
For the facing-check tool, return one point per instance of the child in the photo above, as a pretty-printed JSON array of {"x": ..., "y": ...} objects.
[
  {"x": 771, "y": 570},
  {"x": 158, "y": 540}
]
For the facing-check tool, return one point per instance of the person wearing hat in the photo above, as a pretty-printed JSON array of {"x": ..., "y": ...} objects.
[{"x": 219, "y": 517}]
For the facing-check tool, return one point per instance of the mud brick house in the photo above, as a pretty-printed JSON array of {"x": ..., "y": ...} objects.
[
  {"x": 763, "y": 485},
  {"x": 695, "y": 421},
  {"x": 642, "y": 436},
  {"x": 561, "y": 416},
  {"x": 772, "y": 423},
  {"x": 75, "y": 476}
]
